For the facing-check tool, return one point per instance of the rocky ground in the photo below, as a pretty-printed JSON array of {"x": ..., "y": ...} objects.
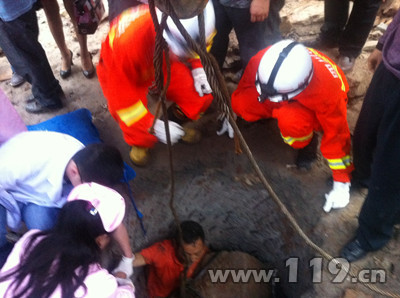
[{"x": 220, "y": 189}]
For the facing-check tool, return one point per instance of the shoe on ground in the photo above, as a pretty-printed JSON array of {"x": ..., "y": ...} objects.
[
  {"x": 89, "y": 73},
  {"x": 30, "y": 98},
  {"x": 35, "y": 107},
  {"x": 66, "y": 73},
  {"x": 16, "y": 80},
  {"x": 346, "y": 63},
  {"x": 191, "y": 136},
  {"x": 139, "y": 155},
  {"x": 353, "y": 251},
  {"x": 320, "y": 43}
]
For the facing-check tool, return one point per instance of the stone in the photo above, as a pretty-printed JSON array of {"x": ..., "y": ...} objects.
[{"x": 370, "y": 45}]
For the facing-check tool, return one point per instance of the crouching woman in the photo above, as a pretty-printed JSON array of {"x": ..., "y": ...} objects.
[{"x": 65, "y": 261}]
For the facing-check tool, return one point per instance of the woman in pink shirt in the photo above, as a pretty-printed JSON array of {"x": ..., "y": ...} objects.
[{"x": 65, "y": 261}]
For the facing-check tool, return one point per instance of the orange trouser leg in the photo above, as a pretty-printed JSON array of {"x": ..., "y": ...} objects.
[
  {"x": 296, "y": 123},
  {"x": 245, "y": 104},
  {"x": 181, "y": 91}
]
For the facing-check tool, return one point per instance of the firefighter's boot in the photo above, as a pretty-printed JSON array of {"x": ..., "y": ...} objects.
[
  {"x": 191, "y": 136},
  {"x": 307, "y": 155},
  {"x": 139, "y": 155}
]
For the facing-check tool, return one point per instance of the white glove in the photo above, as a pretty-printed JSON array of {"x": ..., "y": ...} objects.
[
  {"x": 226, "y": 127},
  {"x": 175, "y": 130},
  {"x": 200, "y": 81},
  {"x": 125, "y": 266},
  {"x": 338, "y": 197}
]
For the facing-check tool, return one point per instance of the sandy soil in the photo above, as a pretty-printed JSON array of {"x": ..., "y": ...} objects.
[{"x": 220, "y": 189}]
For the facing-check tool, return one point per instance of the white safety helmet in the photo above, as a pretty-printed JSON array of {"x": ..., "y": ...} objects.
[
  {"x": 284, "y": 71},
  {"x": 174, "y": 38}
]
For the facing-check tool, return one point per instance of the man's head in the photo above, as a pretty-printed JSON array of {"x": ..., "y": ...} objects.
[
  {"x": 98, "y": 163},
  {"x": 193, "y": 240}
]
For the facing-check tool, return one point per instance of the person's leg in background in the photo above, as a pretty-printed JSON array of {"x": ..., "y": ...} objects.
[
  {"x": 52, "y": 11},
  {"x": 381, "y": 208},
  {"x": 272, "y": 33},
  {"x": 115, "y": 8},
  {"x": 223, "y": 27},
  {"x": 253, "y": 37},
  {"x": 366, "y": 130},
  {"x": 19, "y": 41},
  {"x": 336, "y": 13},
  {"x": 88, "y": 68},
  {"x": 382, "y": 205},
  {"x": 356, "y": 31},
  {"x": 16, "y": 79}
]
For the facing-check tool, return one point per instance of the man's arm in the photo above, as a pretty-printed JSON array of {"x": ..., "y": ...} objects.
[
  {"x": 124, "y": 268},
  {"x": 139, "y": 260},
  {"x": 121, "y": 236}
]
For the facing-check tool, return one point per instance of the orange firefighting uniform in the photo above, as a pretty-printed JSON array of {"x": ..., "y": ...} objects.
[
  {"x": 126, "y": 70},
  {"x": 165, "y": 269},
  {"x": 319, "y": 107}
]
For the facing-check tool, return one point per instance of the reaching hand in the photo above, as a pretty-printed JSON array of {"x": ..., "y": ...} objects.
[
  {"x": 200, "y": 81},
  {"x": 125, "y": 266}
]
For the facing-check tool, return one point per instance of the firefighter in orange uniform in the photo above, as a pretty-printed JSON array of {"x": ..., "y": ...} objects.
[
  {"x": 126, "y": 72},
  {"x": 306, "y": 92}
]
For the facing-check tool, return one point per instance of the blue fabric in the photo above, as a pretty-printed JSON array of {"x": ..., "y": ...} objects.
[
  {"x": 79, "y": 125},
  {"x": 12, "y": 9}
]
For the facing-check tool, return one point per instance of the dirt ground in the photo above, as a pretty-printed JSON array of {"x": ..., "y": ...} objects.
[{"x": 221, "y": 190}]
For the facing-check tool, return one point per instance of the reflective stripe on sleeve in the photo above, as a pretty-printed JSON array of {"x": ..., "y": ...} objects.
[{"x": 133, "y": 113}]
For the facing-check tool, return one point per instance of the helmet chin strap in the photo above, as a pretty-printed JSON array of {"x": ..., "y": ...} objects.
[
  {"x": 291, "y": 94},
  {"x": 268, "y": 90}
]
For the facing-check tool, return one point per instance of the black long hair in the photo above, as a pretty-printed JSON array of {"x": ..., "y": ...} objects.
[{"x": 60, "y": 256}]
